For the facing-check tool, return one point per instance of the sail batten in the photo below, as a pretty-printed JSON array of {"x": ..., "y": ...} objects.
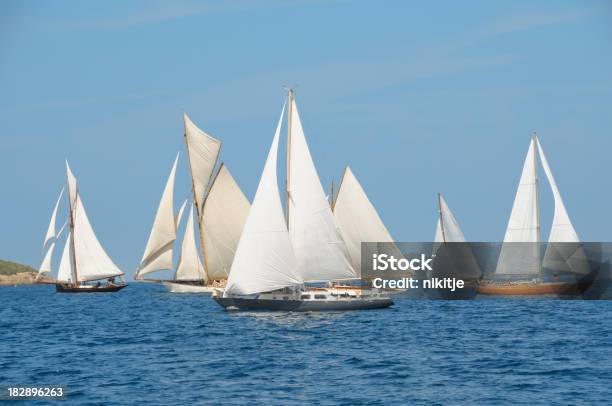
[
  {"x": 319, "y": 249},
  {"x": 264, "y": 259}
]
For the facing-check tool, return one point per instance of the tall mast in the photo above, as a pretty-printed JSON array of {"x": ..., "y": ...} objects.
[
  {"x": 332, "y": 203},
  {"x": 537, "y": 187},
  {"x": 287, "y": 183},
  {"x": 441, "y": 218},
  {"x": 74, "y": 264},
  {"x": 199, "y": 214}
]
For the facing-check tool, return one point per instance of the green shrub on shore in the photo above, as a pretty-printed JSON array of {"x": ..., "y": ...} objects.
[{"x": 12, "y": 268}]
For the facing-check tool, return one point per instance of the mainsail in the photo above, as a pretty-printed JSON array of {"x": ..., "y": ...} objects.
[
  {"x": 320, "y": 252},
  {"x": 264, "y": 259},
  {"x": 158, "y": 252},
  {"x": 357, "y": 218},
  {"x": 202, "y": 153},
  {"x": 190, "y": 267},
  {"x": 225, "y": 212},
  {"x": 520, "y": 253},
  {"x": 92, "y": 262}
]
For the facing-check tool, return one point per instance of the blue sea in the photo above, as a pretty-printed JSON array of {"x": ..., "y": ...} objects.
[{"x": 145, "y": 346}]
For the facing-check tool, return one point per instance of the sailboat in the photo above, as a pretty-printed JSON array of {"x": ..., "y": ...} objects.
[
  {"x": 278, "y": 256},
  {"x": 453, "y": 255},
  {"x": 521, "y": 270},
  {"x": 84, "y": 260},
  {"x": 224, "y": 211}
]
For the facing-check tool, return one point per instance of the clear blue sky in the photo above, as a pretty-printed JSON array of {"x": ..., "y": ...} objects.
[{"x": 416, "y": 97}]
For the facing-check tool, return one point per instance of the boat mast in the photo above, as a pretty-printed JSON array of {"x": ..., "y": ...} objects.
[
  {"x": 332, "y": 203},
  {"x": 74, "y": 264},
  {"x": 441, "y": 218},
  {"x": 288, "y": 176},
  {"x": 199, "y": 214},
  {"x": 537, "y": 187}
]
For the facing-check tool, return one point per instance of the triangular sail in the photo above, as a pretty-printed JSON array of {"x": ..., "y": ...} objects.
[
  {"x": 447, "y": 229},
  {"x": 64, "y": 272},
  {"x": 357, "y": 218},
  {"x": 190, "y": 266},
  {"x": 51, "y": 229},
  {"x": 92, "y": 262},
  {"x": 158, "y": 252},
  {"x": 225, "y": 211},
  {"x": 264, "y": 259},
  {"x": 202, "y": 153},
  {"x": 524, "y": 224},
  {"x": 320, "y": 252},
  {"x": 563, "y": 252},
  {"x": 45, "y": 266}
]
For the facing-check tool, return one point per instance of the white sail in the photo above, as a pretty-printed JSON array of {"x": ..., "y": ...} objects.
[
  {"x": 190, "y": 267},
  {"x": 92, "y": 261},
  {"x": 563, "y": 252},
  {"x": 64, "y": 272},
  {"x": 524, "y": 224},
  {"x": 72, "y": 188},
  {"x": 51, "y": 229},
  {"x": 320, "y": 252},
  {"x": 45, "y": 266},
  {"x": 447, "y": 229},
  {"x": 225, "y": 211},
  {"x": 158, "y": 252},
  {"x": 264, "y": 259},
  {"x": 179, "y": 215},
  {"x": 357, "y": 218},
  {"x": 202, "y": 153}
]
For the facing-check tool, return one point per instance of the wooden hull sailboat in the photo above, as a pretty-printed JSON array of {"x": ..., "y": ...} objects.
[
  {"x": 84, "y": 263},
  {"x": 532, "y": 288},
  {"x": 520, "y": 267},
  {"x": 277, "y": 256},
  {"x": 69, "y": 288}
]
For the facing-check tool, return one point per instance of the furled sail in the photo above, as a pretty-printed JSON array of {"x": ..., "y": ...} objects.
[
  {"x": 92, "y": 262},
  {"x": 51, "y": 229},
  {"x": 64, "y": 272},
  {"x": 158, "y": 252},
  {"x": 524, "y": 224},
  {"x": 202, "y": 153},
  {"x": 564, "y": 251},
  {"x": 225, "y": 211},
  {"x": 320, "y": 252},
  {"x": 190, "y": 266},
  {"x": 264, "y": 259},
  {"x": 357, "y": 218}
]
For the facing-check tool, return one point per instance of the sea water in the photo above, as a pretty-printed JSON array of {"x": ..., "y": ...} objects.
[{"x": 145, "y": 346}]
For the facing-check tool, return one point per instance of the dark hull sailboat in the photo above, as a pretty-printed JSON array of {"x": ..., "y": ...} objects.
[
  {"x": 69, "y": 288},
  {"x": 272, "y": 302}
]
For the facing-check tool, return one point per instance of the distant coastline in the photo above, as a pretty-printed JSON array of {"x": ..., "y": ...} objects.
[{"x": 12, "y": 273}]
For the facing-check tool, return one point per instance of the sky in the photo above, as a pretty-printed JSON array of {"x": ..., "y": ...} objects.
[{"x": 417, "y": 97}]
